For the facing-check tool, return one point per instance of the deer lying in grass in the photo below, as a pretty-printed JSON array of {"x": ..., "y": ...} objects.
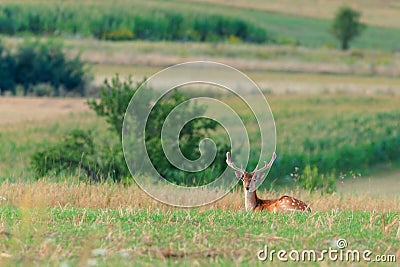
[{"x": 252, "y": 202}]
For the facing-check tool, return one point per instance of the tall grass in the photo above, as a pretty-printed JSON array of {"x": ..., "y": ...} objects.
[
  {"x": 72, "y": 223},
  {"x": 120, "y": 23},
  {"x": 84, "y": 17},
  {"x": 70, "y": 192},
  {"x": 335, "y": 133},
  {"x": 79, "y": 224},
  {"x": 330, "y": 132}
]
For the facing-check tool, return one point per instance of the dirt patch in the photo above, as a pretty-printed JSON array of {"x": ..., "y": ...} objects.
[{"x": 15, "y": 110}]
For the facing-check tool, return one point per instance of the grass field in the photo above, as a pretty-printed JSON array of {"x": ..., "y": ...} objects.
[
  {"x": 374, "y": 11},
  {"x": 64, "y": 221},
  {"x": 332, "y": 123},
  {"x": 46, "y": 223},
  {"x": 61, "y": 220},
  {"x": 324, "y": 101},
  {"x": 307, "y": 26}
]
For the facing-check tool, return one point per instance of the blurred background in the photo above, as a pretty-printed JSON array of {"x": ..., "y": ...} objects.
[{"x": 329, "y": 69}]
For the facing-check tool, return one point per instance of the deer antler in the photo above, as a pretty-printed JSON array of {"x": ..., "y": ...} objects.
[
  {"x": 266, "y": 166},
  {"x": 231, "y": 164}
]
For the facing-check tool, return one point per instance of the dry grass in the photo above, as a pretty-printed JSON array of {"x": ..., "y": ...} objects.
[
  {"x": 277, "y": 82},
  {"x": 144, "y": 57},
  {"x": 82, "y": 195},
  {"x": 44, "y": 223},
  {"x": 17, "y": 110}
]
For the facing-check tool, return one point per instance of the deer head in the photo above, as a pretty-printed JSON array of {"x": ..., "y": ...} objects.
[{"x": 249, "y": 178}]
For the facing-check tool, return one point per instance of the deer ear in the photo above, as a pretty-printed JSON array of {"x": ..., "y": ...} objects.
[
  {"x": 259, "y": 176},
  {"x": 239, "y": 175}
]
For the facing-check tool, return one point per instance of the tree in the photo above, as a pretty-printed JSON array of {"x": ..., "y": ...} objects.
[
  {"x": 7, "y": 71},
  {"x": 114, "y": 100},
  {"x": 102, "y": 157},
  {"x": 346, "y": 26}
]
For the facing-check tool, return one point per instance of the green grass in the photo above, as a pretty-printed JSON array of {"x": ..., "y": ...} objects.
[
  {"x": 51, "y": 224},
  {"x": 19, "y": 142},
  {"x": 333, "y": 133},
  {"x": 313, "y": 32},
  {"x": 283, "y": 28},
  {"x": 165, "y": 237}
]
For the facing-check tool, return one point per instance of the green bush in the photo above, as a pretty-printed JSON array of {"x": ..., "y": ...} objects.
[
  {"x": 114, "y": 100},
  {"x": 7, "y": 71},
  {"x": 346, "y": 26},
  {"x": 311, "y": 180},
  {"x": 76, "y": 150},
  {"x": 353, "y": 141},
  {"x": 45, "y": 62},
  {"x": 36, "y": 63}
]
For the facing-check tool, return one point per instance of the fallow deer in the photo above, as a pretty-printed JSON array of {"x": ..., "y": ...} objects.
[{"x": 252, "y": 202}]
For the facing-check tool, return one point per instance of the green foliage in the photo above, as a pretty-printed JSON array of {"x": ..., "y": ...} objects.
[
  {"x": 337, "y": 135},
  {"x": 117, "y": 23},
  {"x": 189, "y": 139},
  {"x": 346, "y": 26},
  {"x": 348, "y": 141},
  {"x": 78, "y": 151},
  {"x": 7, "y": 71},
  {"x": 311, "y": 180},
  {"x": 75, "y": 150},
  {"x": 101, "y": 162},
  {"x": 39, "y": 62},
  {"x": 211, "y": 28},
  {"x": 231, "y": 243},
  {"x": 114, "y": 100},
  {"x": 36, "y": 63}
]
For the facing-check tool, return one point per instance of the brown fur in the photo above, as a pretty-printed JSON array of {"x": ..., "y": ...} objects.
[
  {"x": 252, "y": 202},
  {"x": 284, "y": 203}
]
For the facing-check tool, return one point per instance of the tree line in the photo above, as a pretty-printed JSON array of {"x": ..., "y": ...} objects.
[{"x": 118, "y": 23}]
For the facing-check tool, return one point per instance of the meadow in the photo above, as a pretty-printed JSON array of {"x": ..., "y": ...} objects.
[
  {"x": 64, "y": 220},
  {"x": 78, "y": 224},
  {"x": 310, "y": 27},
  {"x": 337, "y": 135},
  {"x": 333, "y": 109}
]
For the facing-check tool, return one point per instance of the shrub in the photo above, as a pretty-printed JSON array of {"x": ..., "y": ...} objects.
[
  {"x": 45, "y": 63},
  {"x": 114, "y": 100},
  {"x": 76, "y": 150},
  {"x": 311, "y": 180},
  {"x": 116, "y": 23},
  {"x": 122, "y": 34},
  {"x": 7, "y": 71},
  {"x": 346, "y": 26}
]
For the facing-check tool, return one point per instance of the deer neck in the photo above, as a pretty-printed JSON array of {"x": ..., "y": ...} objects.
[{"x": 250, "y": 200}]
